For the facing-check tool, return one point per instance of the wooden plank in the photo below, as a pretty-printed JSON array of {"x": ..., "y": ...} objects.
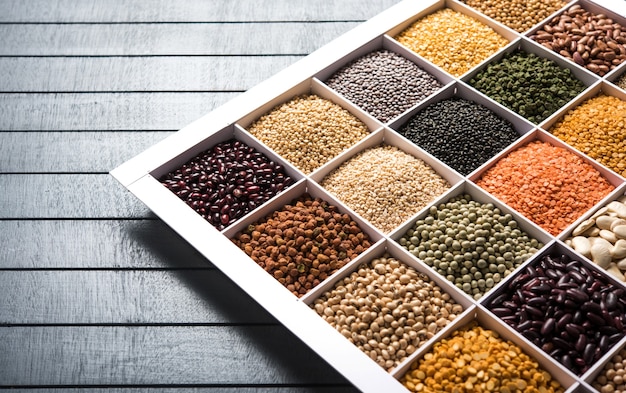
[
  {"x": 110, "y": 74},
  {"x": 188, "y": 10},
  {"x": 105, "y": 111},
  {"x": 187, "y": 389},
  {"x": 67, "y": 196},
  {"x": 167, "y": 39},
  {"x": 79, "y": 151},
  {"x": 95, "y": 244},
  {"x": 125, "y": 297},
  {"x": 158, "y": 355}
]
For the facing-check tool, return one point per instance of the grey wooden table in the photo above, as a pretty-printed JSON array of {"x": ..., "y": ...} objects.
[{"x": 97, "y": 294}]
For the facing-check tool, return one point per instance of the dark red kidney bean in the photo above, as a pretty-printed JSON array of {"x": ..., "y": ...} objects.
[
  {"x": 537, "y": 302},
  {"x": 589, "y": 353},
  {"x": 502, "y": 311},
  {"x": 581, "y": 343},
  {"x": 592, "y": 307},
  {"x": 548, "y": 326},
  {"x": 566, "y": 360},
  {"x": 576, "y": 276},
  {"x": 611, "y": 301},
  {"x": 577, "y": 294},
  {"x": 595, "y": 319},
  {"x": 574, "y": 330}
]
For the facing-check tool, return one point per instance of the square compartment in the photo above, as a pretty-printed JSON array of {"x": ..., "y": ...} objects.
[
  {"x": 373, "y": 69},
  {"x": 463, "y": 256},
  {"x": 397, "y": 196},
  {"x": 449, "y": 36},
  {"x": 587, "y": 126},
  {"x": 482, "y": 319},
  {"x": 438, "y": 143},
  {"x": 561, "y": 303},
  {"x": 516, "y": 193},
  {"x": 545, "y": 36},
  {"x": 525, "y": 47}
]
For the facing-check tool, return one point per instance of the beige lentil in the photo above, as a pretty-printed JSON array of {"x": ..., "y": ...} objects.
[
  {"x": 385, "y": 185},
  {"x": 597, "y": 128},
  {"x": 452, "y": 40},
  {"x": 612, "y": 379},
  {"x": 519, "y": 15},
  {"x": 308, "y": 131},
  {"x": 474, "y": 359},
  {"x": 387, "y": 309}
]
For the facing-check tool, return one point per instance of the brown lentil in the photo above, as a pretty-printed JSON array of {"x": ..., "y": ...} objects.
[
  {"x": 597, "y": 128},
  {"x": 612, "y": 378},
  {"x": 385, "y": 185},
  {"x": 473, "y": 245},
  {"x": 303, "y": 243},
  {"x": 383, "y": 83},
  {"x": 451, "y": 40},
  {"x": 387, "y": 309},
  {"x": 308, "y": 131},
  {"x": 519, "y": 15},
  {"x": 548, "y": 184},
  {"x": 474, "y": 359},
  {"x": 593, "y": 41}
]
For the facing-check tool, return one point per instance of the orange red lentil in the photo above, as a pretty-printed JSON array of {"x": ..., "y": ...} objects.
[
  {"x": 548, "y": 184},
  {"x": 474, "y": 359},
  {"x": 452, "y": 40},
  {"x": 597, "y": 128}
]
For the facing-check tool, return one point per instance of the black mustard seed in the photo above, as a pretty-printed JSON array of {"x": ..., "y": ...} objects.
[{"x": 459, "y": 132}]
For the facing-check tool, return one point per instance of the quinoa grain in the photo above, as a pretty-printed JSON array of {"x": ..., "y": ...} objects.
[{"x": 385, "y": 185}]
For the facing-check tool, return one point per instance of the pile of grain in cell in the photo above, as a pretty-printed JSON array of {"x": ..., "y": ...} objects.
[
  {"x": 385, "y": 185},
  {"x": 309, "y": 131},
  {"x": 597, "y": 128},
  {"x": 303, "y": 243},
  {"x": 383, "y": 83},
  {"x": 519, "y": 15},
  {"x": 474, "y": 359},
  {"x": 548, "y": 184},
  {"x": 459, "y": 132},
  {"x": 451, "y": 40},
  {"x": 387, "y": 309},
  {"x": 612, "y": 378},
  {"x": 473, "y": 245}
]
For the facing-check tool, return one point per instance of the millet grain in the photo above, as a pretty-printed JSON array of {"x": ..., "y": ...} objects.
[{"x": 309, "y": 131}]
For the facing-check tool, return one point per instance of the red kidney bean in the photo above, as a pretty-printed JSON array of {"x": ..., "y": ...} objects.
[
  {"x": 227, "y": 181},
  {"x": 572, "y": 312}
]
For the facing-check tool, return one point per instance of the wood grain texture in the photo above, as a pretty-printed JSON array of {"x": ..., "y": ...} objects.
[
  {"x": 73, "y": 151},
  {"x": 187, "y": 389},
  {"x": 128, "y": 297},
  {"x": 105, "y": 111},
  {"x": 158, "y": 355},
  {"x": 74, "y": 196},
  {"x": 167, "y": 39},
  {"x": 188, "y": 10},
  {"x": 95, "y": 244},
  {"x": 110, "y": 74}
]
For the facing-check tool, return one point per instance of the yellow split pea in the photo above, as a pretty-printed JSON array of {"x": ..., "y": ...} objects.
[
  {"x": 597, "y": 128},
  {"x": 474, "y": 359},
  {"x": 452, "y": 40}
]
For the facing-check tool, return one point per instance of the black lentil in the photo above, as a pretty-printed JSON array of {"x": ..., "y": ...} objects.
[
  {"x": 572, "y": 312},
  {"x": 529, "y": 85},
  {"x": 227, "y": 181},
  {"x": 459, "y": 132},
  {"x": 383, "y": 83}
]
